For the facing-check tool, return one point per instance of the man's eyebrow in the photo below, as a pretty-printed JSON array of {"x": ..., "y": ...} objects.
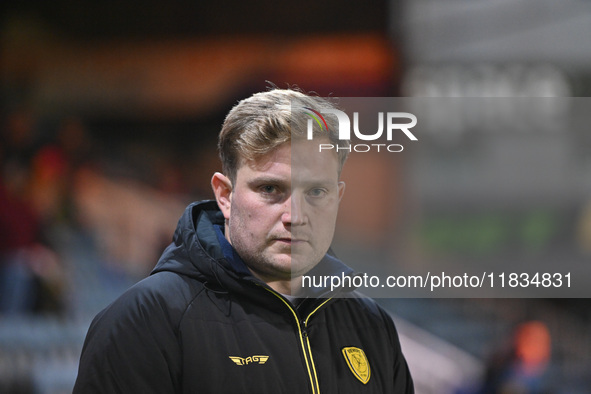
[
  {"x": 311, "y": 181},
  {"x": 269, "y": 179},
  {"x": 308, "y": 182}
]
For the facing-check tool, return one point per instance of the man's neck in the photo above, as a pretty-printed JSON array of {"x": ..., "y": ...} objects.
[{"x": 282, "y": 286}]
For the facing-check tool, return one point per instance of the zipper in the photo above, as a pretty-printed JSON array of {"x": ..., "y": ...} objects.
[
  {"x": 304, "y": 340},
  {"x": 309, "y": 346}
]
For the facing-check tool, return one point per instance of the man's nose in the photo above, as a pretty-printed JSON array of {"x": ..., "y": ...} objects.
[{"x": 294, "y": 210}]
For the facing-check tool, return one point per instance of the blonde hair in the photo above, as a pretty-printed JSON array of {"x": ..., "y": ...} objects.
[{"x": 261, "y": 123}]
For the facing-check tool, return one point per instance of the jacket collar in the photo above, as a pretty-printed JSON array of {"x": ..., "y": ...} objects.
[{"x": 236, "y": 262}]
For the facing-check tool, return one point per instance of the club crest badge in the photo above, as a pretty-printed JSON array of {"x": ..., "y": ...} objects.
[{"x": 358, "y": 364}]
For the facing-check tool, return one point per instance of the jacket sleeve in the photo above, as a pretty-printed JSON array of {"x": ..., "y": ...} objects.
[
  {"x": 131, "y": 347},
  {"x": 403, "y": 382}
]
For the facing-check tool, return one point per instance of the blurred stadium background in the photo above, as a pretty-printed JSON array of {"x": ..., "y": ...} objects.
[{"x": 110, "y": 113}]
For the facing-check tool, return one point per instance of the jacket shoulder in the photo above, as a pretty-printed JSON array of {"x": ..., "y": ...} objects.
[
  {"x": 165, "y": 293},
  {"x": 366, "y": 305},
  {"x": 368, "y": 313},
  {"x": 139, "y": 329}
]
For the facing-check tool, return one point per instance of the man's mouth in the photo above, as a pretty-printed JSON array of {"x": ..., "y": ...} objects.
[{"x": 291, "y": 241}]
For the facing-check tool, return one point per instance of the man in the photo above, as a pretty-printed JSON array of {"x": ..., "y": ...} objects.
[{"x": 224, "y": 310}]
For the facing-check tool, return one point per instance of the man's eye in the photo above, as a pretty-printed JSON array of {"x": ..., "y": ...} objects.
[
  {"x": 318, "y": 192},
  {"x": 268, "y": 189}
]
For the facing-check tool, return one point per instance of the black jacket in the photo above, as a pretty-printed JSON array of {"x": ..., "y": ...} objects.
[{"x": 201, "y": 323}]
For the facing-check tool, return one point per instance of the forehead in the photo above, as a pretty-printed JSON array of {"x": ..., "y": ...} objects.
[{"x": 298, "y": 159}]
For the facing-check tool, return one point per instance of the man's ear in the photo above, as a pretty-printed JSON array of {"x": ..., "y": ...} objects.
[
  {"x": 222, "y": 188},
  {"x": 341, "y": 190}
]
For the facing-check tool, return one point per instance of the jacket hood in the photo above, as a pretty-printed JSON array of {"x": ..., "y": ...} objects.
[{"x": 196, "y": 251}]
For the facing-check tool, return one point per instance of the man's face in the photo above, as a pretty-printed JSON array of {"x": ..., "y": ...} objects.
[{"x": 283, "y": 209}]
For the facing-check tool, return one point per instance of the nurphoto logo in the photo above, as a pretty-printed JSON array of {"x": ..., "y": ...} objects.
[{"x": 392, "y": 122}]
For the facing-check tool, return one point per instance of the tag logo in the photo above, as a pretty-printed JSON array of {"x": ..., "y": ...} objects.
[
  {"x": 249, "y": 360},
  {"x": 357, "y": 362}
]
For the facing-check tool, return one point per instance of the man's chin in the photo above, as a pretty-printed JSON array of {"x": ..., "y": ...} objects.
[
  {"x": 301, "y": 265},
  {"x": 292, "y": 265}
]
